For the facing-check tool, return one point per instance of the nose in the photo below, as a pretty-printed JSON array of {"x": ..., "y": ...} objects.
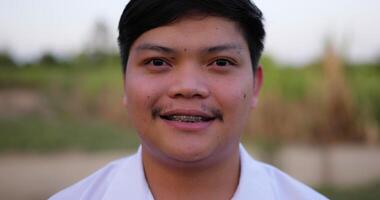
[{"x": 189, "y": 84}]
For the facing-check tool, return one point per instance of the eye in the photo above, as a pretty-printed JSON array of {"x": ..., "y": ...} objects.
[
  {"x": 156, "y": 62},
  {"x": 222, "y": 62},
  {"x": 156, "y": 65}
]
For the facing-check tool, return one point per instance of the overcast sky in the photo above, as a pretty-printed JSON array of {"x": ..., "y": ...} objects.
[{"x": 296, "y": 29}]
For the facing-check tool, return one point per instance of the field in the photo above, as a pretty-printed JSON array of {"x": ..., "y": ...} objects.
[
  {"x": 82, "y": 99},
  {"x": 77, "y": 106}
]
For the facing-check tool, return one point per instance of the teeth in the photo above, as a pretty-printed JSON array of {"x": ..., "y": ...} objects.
[{"x": 186, "y": 118}]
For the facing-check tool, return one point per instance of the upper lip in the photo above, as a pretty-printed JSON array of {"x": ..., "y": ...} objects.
[{"x": 187, "y": 112}]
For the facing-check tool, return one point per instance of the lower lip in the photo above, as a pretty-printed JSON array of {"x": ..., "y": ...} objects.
[{"x": 188, "y": 127}]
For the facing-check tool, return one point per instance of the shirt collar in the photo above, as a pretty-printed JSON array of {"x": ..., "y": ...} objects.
[
  {"x": 130, "y": 181},
  {"x": 254, "y": 182}
]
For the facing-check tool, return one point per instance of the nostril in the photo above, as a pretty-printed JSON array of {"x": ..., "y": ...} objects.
[
  {"x": 188, "y": 83},
  {"x": 188, "y": 92},
  {"x": 189, "y": 95}
]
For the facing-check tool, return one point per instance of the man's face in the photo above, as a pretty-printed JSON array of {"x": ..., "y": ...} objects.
[{"x": 189, "y": 88}]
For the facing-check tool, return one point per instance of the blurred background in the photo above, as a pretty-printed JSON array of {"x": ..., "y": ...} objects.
[{"x": 61, "y": 112}]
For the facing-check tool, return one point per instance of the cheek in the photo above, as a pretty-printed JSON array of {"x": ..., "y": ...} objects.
[
  {"x": 235, "y": 90},
  {"x": 235, "y": 99},
  {"x": 141, "y": 95}
]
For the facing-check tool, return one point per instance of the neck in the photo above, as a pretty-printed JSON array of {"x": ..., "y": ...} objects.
[{"x": 218, "y": 180}]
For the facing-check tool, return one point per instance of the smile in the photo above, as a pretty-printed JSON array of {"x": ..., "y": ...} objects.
[
  {"x": 187, "y": 118},
  {"x": 187, "y": 121}
]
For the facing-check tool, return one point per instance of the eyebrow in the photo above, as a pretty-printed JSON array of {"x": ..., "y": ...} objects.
[
  {"x": 212, "y": 49},
  {"x": 223, "y": 47},
  {"x": 154, "y": 47}
]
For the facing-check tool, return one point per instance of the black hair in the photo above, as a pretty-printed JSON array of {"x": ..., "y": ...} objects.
[{"x": 140, "y": 16}]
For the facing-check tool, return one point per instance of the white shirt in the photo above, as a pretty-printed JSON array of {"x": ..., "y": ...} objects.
[{"x": 124, "y": 179}]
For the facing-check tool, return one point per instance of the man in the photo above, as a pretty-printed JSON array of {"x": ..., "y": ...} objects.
[{"x": 191, "y": 77}]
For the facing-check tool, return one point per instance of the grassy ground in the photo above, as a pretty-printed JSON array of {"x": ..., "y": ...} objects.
[
  {"x": 78, "y": 89},
  {"x": 49, "y": 135},
  {"x": 366, "y": 192}
]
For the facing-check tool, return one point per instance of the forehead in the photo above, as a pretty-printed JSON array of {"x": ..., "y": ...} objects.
[{"x": 193, "y": 32}]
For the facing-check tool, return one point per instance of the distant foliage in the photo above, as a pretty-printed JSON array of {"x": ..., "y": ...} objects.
[
  {"x": 49, "y": 59},
  {"x": 6, "y": 60},
  {"x": 297, "y": 104}
]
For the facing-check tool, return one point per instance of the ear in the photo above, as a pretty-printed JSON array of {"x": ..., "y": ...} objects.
[
  {"x": 125, "y": 98},
  {"x": 257, "y": 83}
]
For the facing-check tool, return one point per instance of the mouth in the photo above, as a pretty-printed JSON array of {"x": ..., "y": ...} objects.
[
  {"x": 187, "y": 118},
  {"x": 188, "y": 115}
]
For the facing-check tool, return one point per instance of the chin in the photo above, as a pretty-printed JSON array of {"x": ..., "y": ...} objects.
[{"x": 188, "y": 153}]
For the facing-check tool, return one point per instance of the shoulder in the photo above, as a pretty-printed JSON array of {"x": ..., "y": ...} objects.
[
  {"x": 273, "y": 183},
  {"x": 97, "y": 184}
]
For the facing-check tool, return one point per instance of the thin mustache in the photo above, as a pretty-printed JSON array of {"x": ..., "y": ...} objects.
[{"x": 157, "y": 110}]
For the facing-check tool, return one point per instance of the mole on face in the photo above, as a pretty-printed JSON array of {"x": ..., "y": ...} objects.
[
  {"x": 185, "y": 49},
  {"x": 245, "y": 96},
  {"x": 148, "y": 99}
]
